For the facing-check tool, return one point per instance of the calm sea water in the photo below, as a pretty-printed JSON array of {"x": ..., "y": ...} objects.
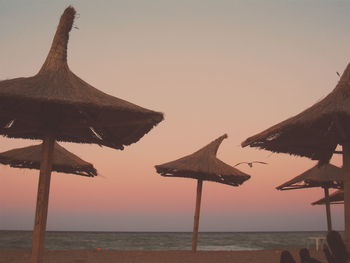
[{"x": 159, "y": 240}]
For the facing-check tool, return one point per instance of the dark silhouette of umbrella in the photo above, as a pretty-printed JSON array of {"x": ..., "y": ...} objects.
[
  {"x": 325, "y": 176},
  {"x": 315, "y": 133},
  {"x": 63, "y": 161},
  {"x": 55, "y": 104},
  {"x": 334, "y": 198},
  {"x": 203, "y": 165}
]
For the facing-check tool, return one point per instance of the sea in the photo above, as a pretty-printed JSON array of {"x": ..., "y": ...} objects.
[{"x": 212, "y": 241}]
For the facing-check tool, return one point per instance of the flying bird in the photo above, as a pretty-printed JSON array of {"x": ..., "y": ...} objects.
[
  {"x": 338, "y": 74},
  {"x": 249, "y": 163}
]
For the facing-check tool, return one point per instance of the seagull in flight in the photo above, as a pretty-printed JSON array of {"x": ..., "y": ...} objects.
[{"x": 249, "y": 163}]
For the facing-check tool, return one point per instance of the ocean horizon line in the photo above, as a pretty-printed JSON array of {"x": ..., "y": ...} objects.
[{"x": 155, "y": 231}]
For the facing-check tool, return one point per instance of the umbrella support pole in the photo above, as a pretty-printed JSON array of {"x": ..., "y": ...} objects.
[
  {"x": 346, "y": 168},
  {"x": 196, "y": 215},
  {"x": 42, "y": 199},
  {"x": 328, "y": 209}
]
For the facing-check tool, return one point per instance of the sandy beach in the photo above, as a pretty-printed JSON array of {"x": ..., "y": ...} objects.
[{"x": 109, "y": 256}]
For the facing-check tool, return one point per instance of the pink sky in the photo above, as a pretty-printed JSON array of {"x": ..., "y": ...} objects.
[{"x": 212, "y": 67}]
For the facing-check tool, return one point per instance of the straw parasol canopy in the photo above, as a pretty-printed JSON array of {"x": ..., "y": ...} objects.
[
  {"x": 334, "y": 198},
  {"x": 63, "y": 160},
  {"x": 203, "y": 165},
  {"x": 55, "y": 104},
  {"x": 56, "y": 100},
  {"x": 325, "y": 176},
  {"x": 315, "y": 133}
]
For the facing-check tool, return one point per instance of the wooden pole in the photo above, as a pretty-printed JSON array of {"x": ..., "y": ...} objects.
[
  {"x": 328, "y": 209},
  {"x": 196, "y": 215},
  {"x": 42, "y": 202},
  {"x": 346, "y": 169}
]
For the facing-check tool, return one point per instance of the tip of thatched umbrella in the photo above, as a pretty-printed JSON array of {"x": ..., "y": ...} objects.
[
  {"x": 212, "y": 148},
  {"x": 327, "y": 175},
  {"x": 345, "y": 77},
  {"x": 63, "y": 160},
  {"x": 204, "y": 165},
  {"x": 57, "y": 56},
  {"x": 334, "y": 198}
]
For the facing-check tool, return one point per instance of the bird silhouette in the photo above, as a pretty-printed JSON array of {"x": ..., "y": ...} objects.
[
  {"x": 250, "y": 164},
  {"x": 338, "y": 74}
]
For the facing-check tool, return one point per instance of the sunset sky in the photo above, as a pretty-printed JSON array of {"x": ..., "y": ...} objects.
[{"x": 212, "y": 67}]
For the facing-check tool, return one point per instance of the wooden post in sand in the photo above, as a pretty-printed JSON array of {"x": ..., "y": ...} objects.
[
  {"x": 196, "y": 215},
  {"x": 203, "y": 165},
  {"x": 328, "y": 209},
  {"x": 42, "y": 202},
  {"x": 346, "y": 168}
]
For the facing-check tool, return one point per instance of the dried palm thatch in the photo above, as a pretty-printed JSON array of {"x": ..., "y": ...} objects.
[
  {"x": 63, "y": 160},
  {"x": 334, "y": 198},
  {"x": 56, "y": 100},
  {"x": 55, "y": 104},
  {"x": 315, "y": 132},
  {"x": 204, "y": 165},
  {"x": 327, "y": 175}
]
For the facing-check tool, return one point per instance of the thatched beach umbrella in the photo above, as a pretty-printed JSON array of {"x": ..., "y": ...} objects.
[
  {"x": 315, "y": 133},
  {"x": 203, "y": 165},
  {"x": 334, "y": 198},
  {"x": 325, "y": 176},
  {"x": 63, "y": 161},
  {"x": 55, "y": 104}
]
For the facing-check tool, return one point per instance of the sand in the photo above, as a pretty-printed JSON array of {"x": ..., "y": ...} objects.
[{"x": 114, "y": 256}]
